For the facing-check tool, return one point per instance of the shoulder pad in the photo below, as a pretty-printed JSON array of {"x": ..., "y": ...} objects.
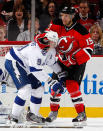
[{"x": 80, "y": 29}]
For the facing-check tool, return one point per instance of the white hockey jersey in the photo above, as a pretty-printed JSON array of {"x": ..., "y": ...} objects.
[{"x": 32, "y": 59}]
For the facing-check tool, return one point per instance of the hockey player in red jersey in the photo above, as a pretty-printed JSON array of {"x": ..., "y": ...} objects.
[{"x": 74, "y": 49}]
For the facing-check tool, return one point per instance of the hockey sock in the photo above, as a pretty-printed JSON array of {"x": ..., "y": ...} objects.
[
  {"x": 79, "y": 108},
  {"x": 54, "y": 105},
  {"x": 75, "y": 93},
  {"x": 36, "y": 99},
  {"x": 35, "y": 104},
  {"x": 18, "y": 106}
]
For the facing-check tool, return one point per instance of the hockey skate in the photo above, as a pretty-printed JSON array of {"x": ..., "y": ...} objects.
[
  {"x": 52, "y": 116},
  {"x": 12, "y": 120},
  {"x": 34, "y": 118},
  {"x": 80, "y": 120}
]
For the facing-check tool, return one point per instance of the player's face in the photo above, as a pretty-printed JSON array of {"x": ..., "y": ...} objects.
[
  {"x": 66, "y": 19},
  {"x": 52, "y": 44}
]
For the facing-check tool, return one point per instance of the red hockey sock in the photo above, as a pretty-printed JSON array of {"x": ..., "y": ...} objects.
[
  {"x": 79, "y": 108},
  {"x": 75, "y": 93},
  {"x": 73, "y": 88},
  {"x": 54, "y": 107}
]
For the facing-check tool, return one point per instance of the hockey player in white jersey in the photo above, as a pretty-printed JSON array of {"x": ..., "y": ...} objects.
[{"x": 25, "y": 65}]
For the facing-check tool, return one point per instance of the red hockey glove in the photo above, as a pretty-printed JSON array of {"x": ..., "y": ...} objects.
[{"x": 68, "y": 61}]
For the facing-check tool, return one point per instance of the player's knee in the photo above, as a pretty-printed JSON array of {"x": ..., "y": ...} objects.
[
  {"x": 35, "y": 83},
  {"x": 38, "y": 92},
  {"x": 73, "y": 88},
  {"x": 25, "y": 92}
]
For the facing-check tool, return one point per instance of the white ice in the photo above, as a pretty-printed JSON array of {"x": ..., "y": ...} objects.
[{"x": 93, "y": 124}]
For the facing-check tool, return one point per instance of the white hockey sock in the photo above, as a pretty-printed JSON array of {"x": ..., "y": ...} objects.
[
  {"x": 34, "y": 108},
  {"x": 36, "y": 99},
  {"x": 16, "y": 110}
]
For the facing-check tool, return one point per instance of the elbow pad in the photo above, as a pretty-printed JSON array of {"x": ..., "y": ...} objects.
[{"x": 82, "y": 56}]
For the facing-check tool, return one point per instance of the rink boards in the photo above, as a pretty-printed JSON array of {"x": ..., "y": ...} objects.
[{"x": 91, "y": 88}]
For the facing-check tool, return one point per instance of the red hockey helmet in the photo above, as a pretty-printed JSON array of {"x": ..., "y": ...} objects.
[{"x": 43, "y": 39}]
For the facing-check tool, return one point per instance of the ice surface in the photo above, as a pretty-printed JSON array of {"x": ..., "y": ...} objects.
[{"x": 93, "y": 124}]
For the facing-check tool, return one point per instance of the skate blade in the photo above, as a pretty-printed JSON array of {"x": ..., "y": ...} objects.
[
  {"x": 30, "y": 125},
  {"x": 80, "y": 124},
  {"x": 33, "y": 122},
  {"x": 25, "y": 125}
]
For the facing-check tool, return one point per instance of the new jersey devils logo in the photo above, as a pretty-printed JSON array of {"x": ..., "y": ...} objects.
[{"x": 65, "y": 44}]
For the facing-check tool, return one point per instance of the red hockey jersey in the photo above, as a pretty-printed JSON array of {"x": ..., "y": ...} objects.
[{"x": 74, "y": 41}]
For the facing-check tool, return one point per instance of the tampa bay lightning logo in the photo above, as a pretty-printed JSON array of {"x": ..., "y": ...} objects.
[{"x": 38, "y": 61}]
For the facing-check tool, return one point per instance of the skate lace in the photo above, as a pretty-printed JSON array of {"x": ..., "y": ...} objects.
[
  {"x": 37, "y": 118},
  {"x": 53, "y": 114},
  {"x": 80, "y": 116}
]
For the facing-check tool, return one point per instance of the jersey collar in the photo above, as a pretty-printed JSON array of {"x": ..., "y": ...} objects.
[{"x": 69, "y": 28}]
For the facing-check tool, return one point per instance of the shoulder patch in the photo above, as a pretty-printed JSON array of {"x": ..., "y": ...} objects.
[{"x": 81, "y": 29}]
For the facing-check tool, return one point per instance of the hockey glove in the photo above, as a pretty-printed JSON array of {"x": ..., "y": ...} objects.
[
  {"x": 55, "y": 86},
  {"x": 68, "y": 61},
  {"x": 62, "y": 77}
]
